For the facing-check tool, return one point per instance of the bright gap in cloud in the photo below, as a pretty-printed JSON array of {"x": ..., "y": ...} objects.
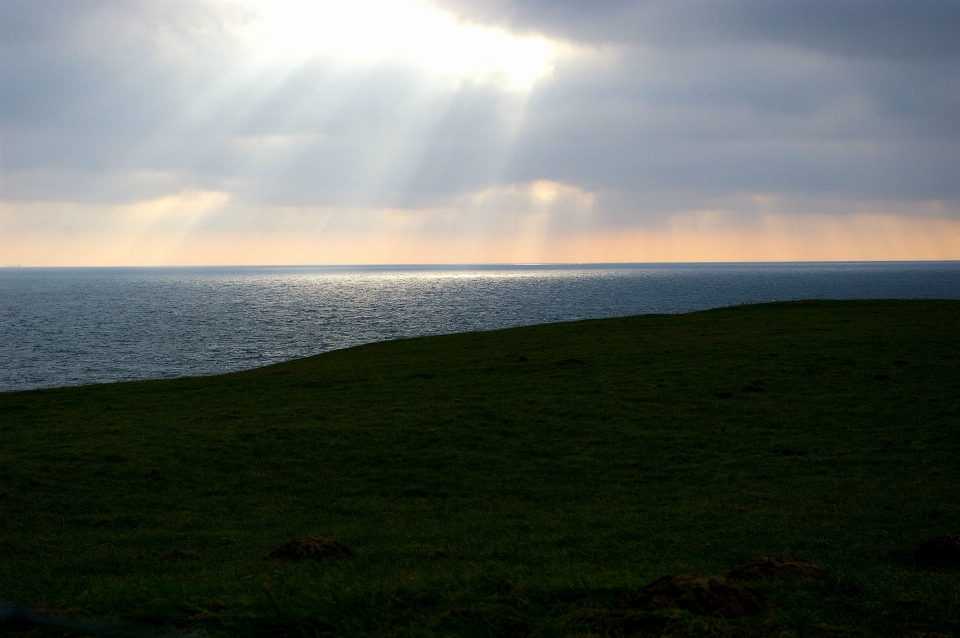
[{"x": 401, "y": 32}]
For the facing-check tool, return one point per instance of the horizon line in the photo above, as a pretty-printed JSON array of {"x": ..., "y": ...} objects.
[{"x": 493, "y": 264}]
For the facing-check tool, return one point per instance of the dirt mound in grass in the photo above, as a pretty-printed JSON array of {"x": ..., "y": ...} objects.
[
  {"x": 939, "y": 551},
  {"x": 311, "y": 548},
  {"x": 704, "y": 595},
  {"x": 775, "y": 568}
]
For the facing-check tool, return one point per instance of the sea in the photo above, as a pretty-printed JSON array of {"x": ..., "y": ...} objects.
[{"x": 76, "y": 326}]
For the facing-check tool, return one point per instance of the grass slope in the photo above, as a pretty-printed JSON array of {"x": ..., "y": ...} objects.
[{"x": 513, "y": 482}]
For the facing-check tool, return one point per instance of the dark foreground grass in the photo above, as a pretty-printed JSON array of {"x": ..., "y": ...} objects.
[{"x": 509, "y": 483}]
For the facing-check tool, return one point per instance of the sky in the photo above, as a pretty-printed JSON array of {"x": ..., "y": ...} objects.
[{"x": 202, "y": 132}]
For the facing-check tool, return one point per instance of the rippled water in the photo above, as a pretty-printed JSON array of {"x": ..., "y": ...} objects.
[{"x": 75, "y": 326}]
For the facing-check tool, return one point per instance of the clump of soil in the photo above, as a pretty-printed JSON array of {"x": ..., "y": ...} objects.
[
  {"x": 775, "y": 568},
  {"x": 178, "y": 555},
  {"x": 939, "y": 551},
  {"x": 704, "y": 595},
  {"x": 722, "y": 395},
  {"x": 569, "y": 362},
  {"x": 881, "y": 377},
  {"x": 311, "y": 548}
]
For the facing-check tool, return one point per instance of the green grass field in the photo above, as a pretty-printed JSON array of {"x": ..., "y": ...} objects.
[{"x": 509, "y": 483}]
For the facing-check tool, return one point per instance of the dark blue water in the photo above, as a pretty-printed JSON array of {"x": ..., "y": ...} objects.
[{"x": 64, "y": 326}]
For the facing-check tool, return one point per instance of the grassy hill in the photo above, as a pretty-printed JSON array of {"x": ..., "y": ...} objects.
[{"x": 516, "y": 482}]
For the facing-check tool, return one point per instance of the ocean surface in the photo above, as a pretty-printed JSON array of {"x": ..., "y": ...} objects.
[{"x": 72, "y": 326}]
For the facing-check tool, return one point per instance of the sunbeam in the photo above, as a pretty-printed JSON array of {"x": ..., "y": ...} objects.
[{"x": 473, "y": 130}]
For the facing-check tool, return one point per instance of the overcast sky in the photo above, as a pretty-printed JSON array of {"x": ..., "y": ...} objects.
[{"x": 467, "y": 131}]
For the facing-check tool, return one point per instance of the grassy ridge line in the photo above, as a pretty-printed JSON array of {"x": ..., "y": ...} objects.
[{"x": 498, "y": 472}]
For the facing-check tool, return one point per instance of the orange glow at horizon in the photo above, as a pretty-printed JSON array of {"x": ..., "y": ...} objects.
[{"x": 860, "y": 237}]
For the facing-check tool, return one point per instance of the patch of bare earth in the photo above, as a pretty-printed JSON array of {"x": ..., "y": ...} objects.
[{"x": 704, "y": 595}]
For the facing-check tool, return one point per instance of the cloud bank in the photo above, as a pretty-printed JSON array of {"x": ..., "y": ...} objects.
[{"x": 159, "y": 132}]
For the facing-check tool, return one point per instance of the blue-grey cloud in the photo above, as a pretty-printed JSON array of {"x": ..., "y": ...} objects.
[
  {"x": 919, "y": 29},
  {"x": 664, "y": 104}
]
